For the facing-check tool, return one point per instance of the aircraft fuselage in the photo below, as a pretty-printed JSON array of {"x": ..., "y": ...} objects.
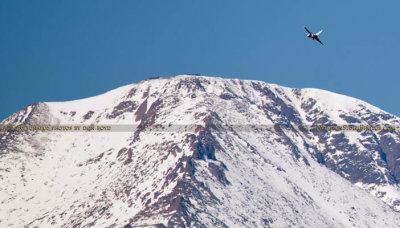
[{"x": 313, "y": 36}]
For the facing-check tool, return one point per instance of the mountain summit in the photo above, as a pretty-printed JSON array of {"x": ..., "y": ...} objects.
[{"x": 196, "y": 151}]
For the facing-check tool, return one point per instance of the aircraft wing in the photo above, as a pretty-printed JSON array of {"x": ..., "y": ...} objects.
[
  {"x": 318, "y": 33},
  {"x": 318, "y": 40},
  {"x": 307, "y": 29}
]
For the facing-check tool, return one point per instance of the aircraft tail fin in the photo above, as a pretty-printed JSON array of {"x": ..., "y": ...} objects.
[{"x": 318, "y": 33}]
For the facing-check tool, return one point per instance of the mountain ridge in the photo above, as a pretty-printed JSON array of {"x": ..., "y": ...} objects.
[{"x": 195, "y": 169}]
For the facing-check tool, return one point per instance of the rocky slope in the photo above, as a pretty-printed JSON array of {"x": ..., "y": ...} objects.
[{"x": 195, "y": 151}]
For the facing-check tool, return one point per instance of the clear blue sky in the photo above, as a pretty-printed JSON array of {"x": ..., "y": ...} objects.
[{"x": 65, "y": 50}]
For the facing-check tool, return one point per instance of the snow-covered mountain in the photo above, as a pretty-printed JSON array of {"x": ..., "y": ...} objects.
[{"x": 195, "y": 151}]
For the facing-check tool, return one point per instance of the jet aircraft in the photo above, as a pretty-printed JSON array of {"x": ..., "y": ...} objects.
[{"x": 313, "y": 36}]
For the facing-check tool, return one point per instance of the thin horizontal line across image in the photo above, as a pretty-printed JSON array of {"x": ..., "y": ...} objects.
[{"x": 195, "y": 127}]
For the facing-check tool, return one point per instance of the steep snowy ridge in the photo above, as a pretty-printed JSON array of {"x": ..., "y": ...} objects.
[{"x": 196, "y": 151}]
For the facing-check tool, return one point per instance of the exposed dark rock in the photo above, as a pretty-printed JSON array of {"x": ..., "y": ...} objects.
[
  {"x": 349, "y": 119},
  {"x": 190, "y": 84},
  {"x": 287, "y": 141},
  {"x": 205, "y": 147},
  {"x": 279, "y": 107},
  {"x": 122, "y": 151},
  {"x": 226, "y": 96},
  {"x": 140, "y": 112},
  {"x": 129, "y": 157},
  {"x": 132, "y": 93},
  {"x": 320, "y": 158},
  {"x": 88, "y": 115},
  {"x": 176, "y": 205},
  {"x": 218, "y": 172},
  {"x": 147, "y": 118},
  {"x": 146, "y": 93},
  {"x": 390, "y": 153},
  {"x": 125, "y": 106},
  {"x": 96, "y": 159}
]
